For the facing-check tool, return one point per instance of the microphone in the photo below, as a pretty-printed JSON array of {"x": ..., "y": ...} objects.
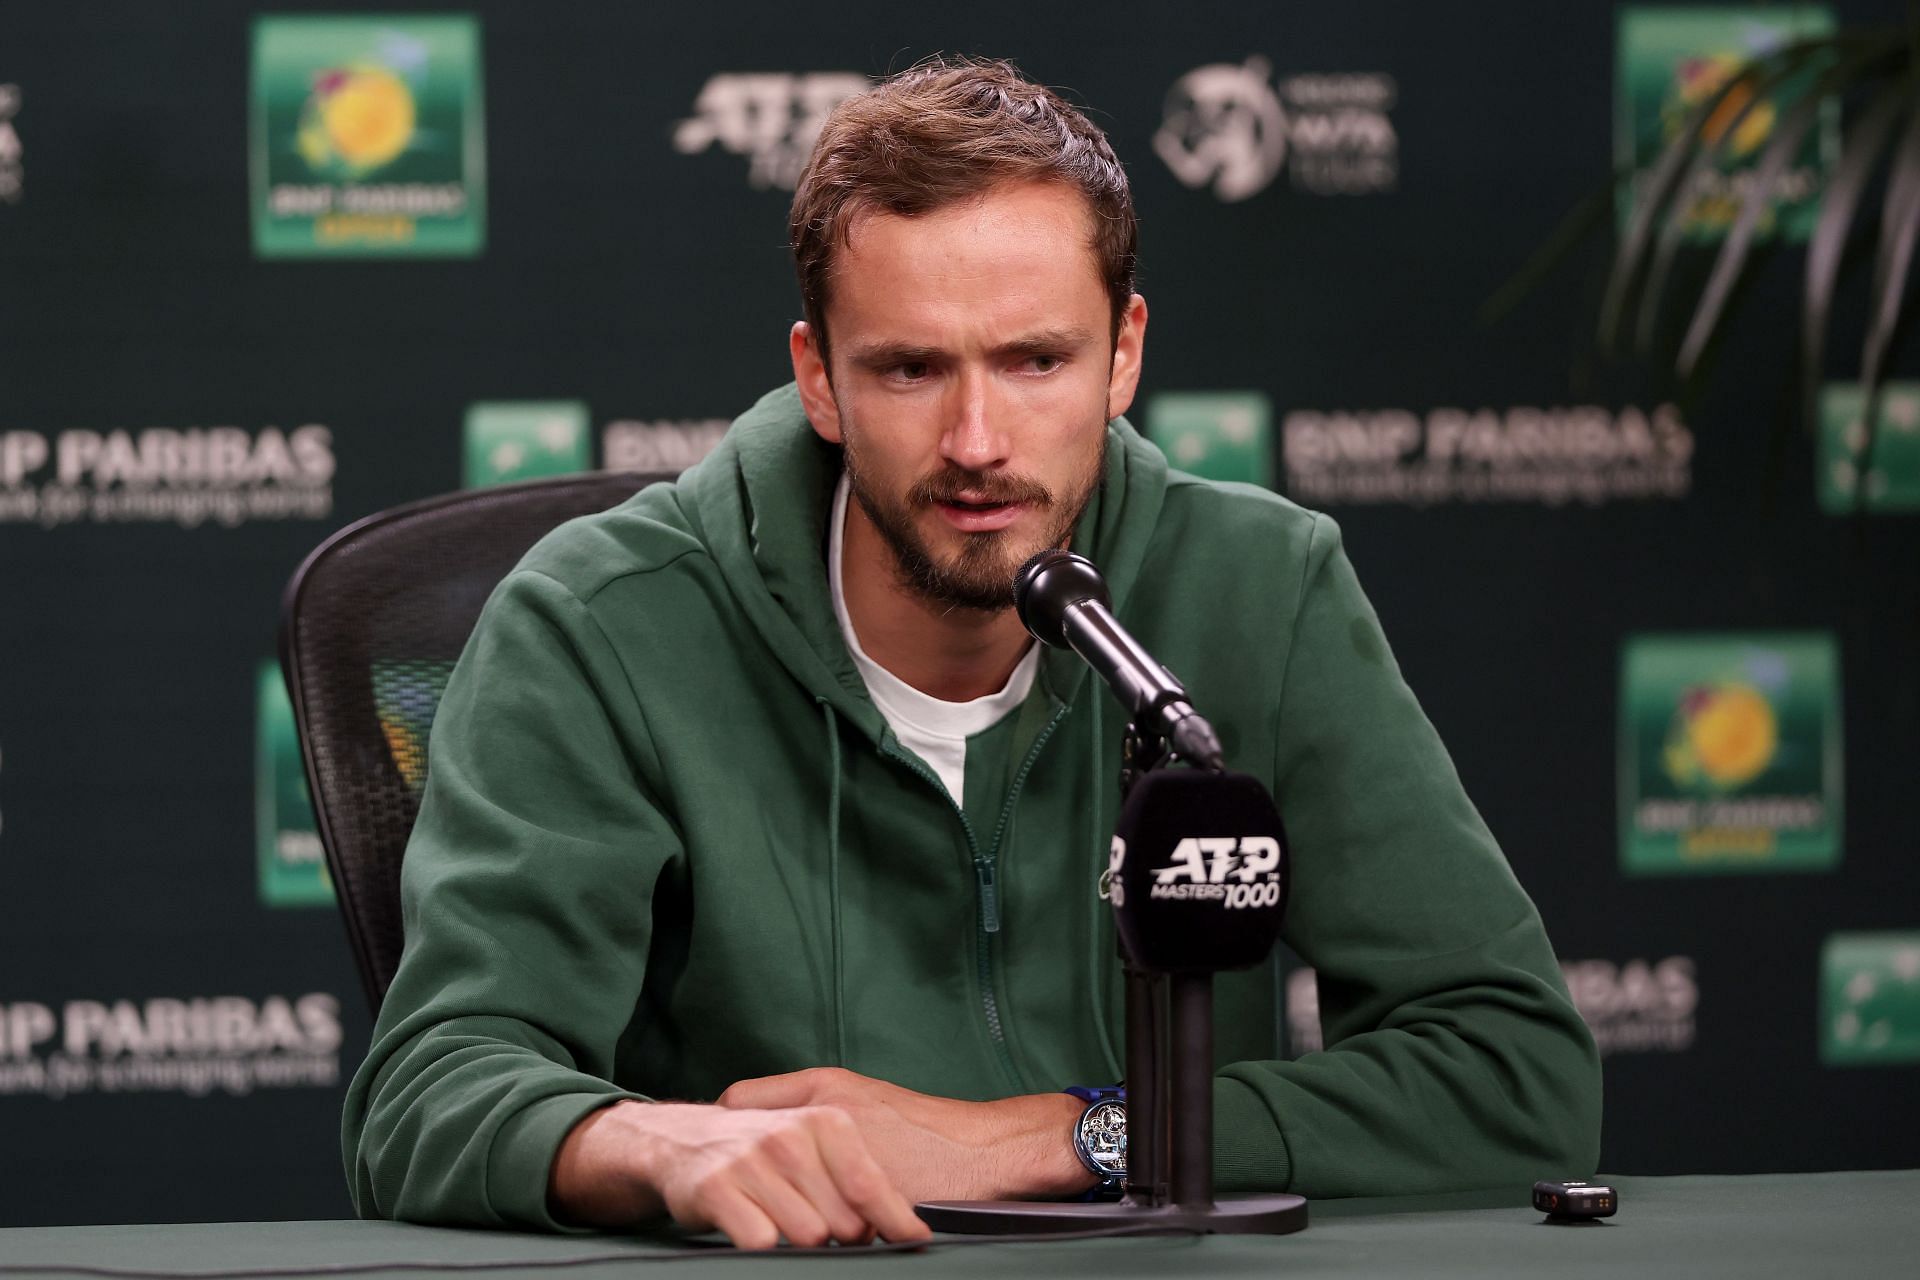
[
  {"x": 1198, "y": 873},
  {"x": 1062, "y": 601}
]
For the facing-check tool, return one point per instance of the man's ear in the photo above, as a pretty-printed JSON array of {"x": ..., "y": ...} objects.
[
  {"x": 810, "y": 376},
  {"x": 1123, "y": 379}
]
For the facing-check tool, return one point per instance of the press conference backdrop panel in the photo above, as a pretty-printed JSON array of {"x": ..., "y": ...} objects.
[{"x": 264, "y": 271}]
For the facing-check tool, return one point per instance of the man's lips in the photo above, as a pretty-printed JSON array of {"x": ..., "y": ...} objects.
[{"x": 978, "y": 517}]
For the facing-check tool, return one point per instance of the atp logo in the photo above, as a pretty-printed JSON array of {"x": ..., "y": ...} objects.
[
  {"x": 770, "y": 117},
  {"x": 1201, "y": 865}
]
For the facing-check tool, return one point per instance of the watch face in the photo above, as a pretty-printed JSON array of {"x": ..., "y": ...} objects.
[{"x": 1103, "y": 1135}]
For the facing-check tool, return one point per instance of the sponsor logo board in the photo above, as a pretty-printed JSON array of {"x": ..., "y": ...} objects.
[
  {"x": 1234, "y": 129},
  {"x": 1669, "y": 61},
  {"x": 1549, "y": 456},
  {"x": 1870, "y": 999},
  {"x": 367, "y": 138},
  {"x": 661, "y": 444},
  {"x": 1730, "y": 753},
  {"x": 13, "y": 176},
  {"x": 1221, "y": 435},
  {"x": 772, "y": 118},
  {"x": 508, "y": 440},
  {"x": 1846, "y": 478},
  {"x": 225, "y": 476},
  {"x": 197, "y": 1046},
  {"x": 1638, "y": 1006},
  {"x": 292, "y": 867}
]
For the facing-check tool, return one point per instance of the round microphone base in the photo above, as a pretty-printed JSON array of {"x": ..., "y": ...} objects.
[{"x": 1270, "y": 1215}]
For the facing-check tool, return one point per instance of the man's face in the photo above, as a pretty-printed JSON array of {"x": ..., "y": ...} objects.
[{"x": 974, "y": 371}]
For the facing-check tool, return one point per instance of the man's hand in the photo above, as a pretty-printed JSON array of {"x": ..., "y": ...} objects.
[
  {"x": 940, "y": 1148},
  {"x": 804, "y": 1174}
]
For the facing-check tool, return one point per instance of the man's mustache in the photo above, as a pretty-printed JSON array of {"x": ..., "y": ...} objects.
[{"x": 979, "y": 486}]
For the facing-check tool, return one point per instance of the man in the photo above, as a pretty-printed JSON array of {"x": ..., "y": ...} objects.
[{"x": 754, "y": 789}]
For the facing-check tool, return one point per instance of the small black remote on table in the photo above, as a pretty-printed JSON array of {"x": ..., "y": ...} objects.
[{"x": 1575, "y": 1201}]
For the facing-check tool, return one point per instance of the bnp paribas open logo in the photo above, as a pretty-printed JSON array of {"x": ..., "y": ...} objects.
[
  {"x": 367, "y": 139},
  {"x": 292, "y": 866},
  {"x": 1221, "y": 435},
  {"x": 1854, "y": 472},
  {"x": 507, "y": 440},
  {"x": 1730, "y": 753},
  {"x": 1870, "y": 999},
  {"x": 1671, "y": 61}
]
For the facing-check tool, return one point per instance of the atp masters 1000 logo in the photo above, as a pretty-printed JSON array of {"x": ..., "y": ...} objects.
[
  {"x": 1670, "y": 61},
  {"x": 770, "y": 117},
  {"x": 367, "y": 137},
  {"x": 1730, "y": 753}
]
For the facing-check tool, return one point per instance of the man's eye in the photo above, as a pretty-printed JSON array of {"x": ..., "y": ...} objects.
[
  {"x": 912, "y": 370},
  {"x": 1044, "y": 364}
]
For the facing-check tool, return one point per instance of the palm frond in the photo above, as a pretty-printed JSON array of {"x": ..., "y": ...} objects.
[
  {"x": 1654, "y": 198},
  {"x": 1788, "y": 138},
  {"x": 1899, "y": 224},
  {"x": 1677, "y": 221},
  {"x": 1827, "y": 245}
]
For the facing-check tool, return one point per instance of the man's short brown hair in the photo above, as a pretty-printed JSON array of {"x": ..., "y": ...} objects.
[{"x": 943, "y": 132}]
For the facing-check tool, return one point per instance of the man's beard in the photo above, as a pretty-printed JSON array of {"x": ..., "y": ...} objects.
[{"x": 981, "y": 575}]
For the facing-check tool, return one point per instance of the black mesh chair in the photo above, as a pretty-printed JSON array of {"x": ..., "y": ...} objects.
[{"x": 369, "y": 630}]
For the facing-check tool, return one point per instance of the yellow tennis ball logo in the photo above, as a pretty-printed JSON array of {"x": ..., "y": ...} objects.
[
  {"x": 361, "y": 117},
  {"x": 1724, "y": 735},
  {"x": 1697, "y": 79}
]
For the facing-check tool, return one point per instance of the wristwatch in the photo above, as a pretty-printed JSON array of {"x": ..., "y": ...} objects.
[{"x": 1100, "y": 1136}]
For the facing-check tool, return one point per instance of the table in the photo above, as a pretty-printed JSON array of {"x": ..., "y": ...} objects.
[{"x": 1852, "y": 1224}]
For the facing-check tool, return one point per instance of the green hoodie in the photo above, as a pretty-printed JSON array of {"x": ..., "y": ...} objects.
[{"x": 668, "y": 842}]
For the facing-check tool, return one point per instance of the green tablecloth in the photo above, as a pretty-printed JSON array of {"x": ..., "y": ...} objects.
[{"x": 1851, "y": 1224}]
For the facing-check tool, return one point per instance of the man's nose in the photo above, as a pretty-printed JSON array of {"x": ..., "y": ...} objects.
[{"x": 975, "y": 438}]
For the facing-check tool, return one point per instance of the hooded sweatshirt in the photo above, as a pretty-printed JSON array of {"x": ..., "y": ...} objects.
[{"x": 668, "y": 842}]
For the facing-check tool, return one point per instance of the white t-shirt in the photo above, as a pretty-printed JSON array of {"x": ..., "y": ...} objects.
[{"x": 931, "y": 728}]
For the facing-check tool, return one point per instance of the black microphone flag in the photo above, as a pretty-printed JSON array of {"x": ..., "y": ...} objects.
[{"x": 1198, "y": 871}]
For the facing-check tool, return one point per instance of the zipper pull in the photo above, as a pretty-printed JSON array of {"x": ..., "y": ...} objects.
[{"x": 989, "y": 899}]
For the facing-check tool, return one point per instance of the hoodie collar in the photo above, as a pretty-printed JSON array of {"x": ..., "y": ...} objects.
[{"x": 761, "y": 502}]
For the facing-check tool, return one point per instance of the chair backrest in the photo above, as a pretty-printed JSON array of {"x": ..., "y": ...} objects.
[{"x": 370, "y": 627}]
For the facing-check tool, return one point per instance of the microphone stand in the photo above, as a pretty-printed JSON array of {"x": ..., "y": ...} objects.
[{"x": 1169, "y": 1051}]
